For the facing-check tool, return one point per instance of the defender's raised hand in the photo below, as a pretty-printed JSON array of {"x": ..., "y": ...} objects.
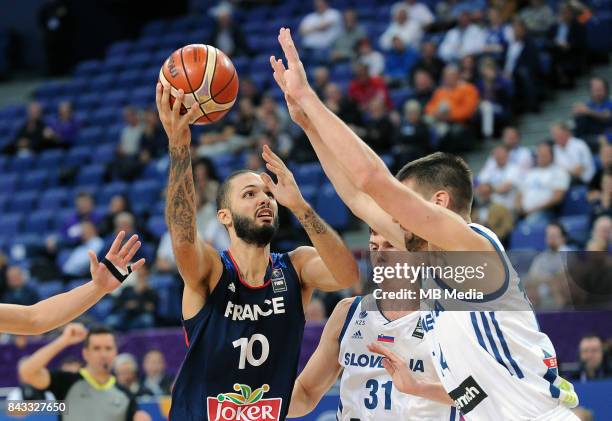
[
  {"x": 285, "y": 191},
  {"x": 294, "y": 78},
  {"x": 296, "y": 112},
  {"x": 175, "y": 124},
  {"x": 120, "y": 256}
]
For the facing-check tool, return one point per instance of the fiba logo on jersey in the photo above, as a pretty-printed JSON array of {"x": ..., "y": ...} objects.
[
  {"x": 278, "y": 281},
  {"x": 247, "y": 405}
]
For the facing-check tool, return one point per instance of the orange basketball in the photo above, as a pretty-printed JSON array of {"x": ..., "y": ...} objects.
[{"x": 208, "y": 78}]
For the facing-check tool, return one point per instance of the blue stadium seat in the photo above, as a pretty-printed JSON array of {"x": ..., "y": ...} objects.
[
  {"x": 102, "y": 83},
  {"x": 575, "y": 202},
  {"x": 342, "y": 71},
  {"x": 91, "y": 174},
  {"x": 34, "y": 180},
  {"x": 88, "y": 102},
  {"x": 23, "y": 202},
  {"x": 577, "y": 227},
  {"x": 8, "y": 182},
  {"x": 61, "y": 216},
  {"x": 143, "y": 194},
  {"x": 40, "y": 222},
  {"x": 106, "y": 116},
  {"x": 159, "y": 281},
  {"x": 49, "y": 90},
  {"x": 128, "y": 78},
  {"x": 142, "y": 97},
  {"x": 49, "y": 288},
  {"x": 156, "y": 225},
  {"x": 331, "y": 208},
  {"x": 116, "y": 98},
  {"x": 155, "y": 28},
  {"x": 114, "y": 64},
  {"x": 147, "y": 43},
  {"x": 526, "y": 237},
  {"x": 88, "y": 68},
  {"x": 10, "y": 224},
  {"x": 53, "y": 199},
  {"x": 105, "y": 153},
  {"x": 309, "y": 174},
  {"x": 50, "y": 158},
  {"x": 121, "y": 48},
  {"x": 79, "y": 155},
  {"x": 102, "y": 309},
  {"x": 107, "y": 191},
  {"x": 5, "y": 198},
  {"x": 22, "y": 163}
]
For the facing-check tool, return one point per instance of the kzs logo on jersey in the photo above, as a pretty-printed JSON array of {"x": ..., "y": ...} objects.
[{"x": 247, "y": 405}]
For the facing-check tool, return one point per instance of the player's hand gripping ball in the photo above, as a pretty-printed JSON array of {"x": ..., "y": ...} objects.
[{"x": 208, "y": 78}]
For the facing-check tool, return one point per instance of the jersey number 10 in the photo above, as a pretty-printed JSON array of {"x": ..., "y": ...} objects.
[{"x": 246, "y": 350}]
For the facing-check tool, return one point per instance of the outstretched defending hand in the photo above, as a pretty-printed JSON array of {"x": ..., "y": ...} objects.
[
  {"x": 118, "y": 255},
  {"x": 285, "y": 191},
  {"x": 294, "y": 77},
  {"x": 397, "y": 369},
  {"x": 175, "y": 125}
]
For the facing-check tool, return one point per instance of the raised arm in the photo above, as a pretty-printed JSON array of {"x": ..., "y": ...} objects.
[
  {"x": 362, "y": 205},
  {"x": 330, "y": 265},
  {"x": 322, "y": 369},
  {"x": 197, "y": 262},
  {"x": 33, "y": 370},
  {"x": 434, "y": 223},
  {"x": 62, "y": 308}
]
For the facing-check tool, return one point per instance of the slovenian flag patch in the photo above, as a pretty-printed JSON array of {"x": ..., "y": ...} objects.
[{"x": 386, "y": 339}]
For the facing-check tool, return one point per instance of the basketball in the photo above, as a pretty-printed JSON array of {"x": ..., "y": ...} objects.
[{"x": 208, "y": 78}]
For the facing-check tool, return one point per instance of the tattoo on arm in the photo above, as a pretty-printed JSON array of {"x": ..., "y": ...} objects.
[
  {"x": 312, "y": 223},
  {"x": 180, "y": 200}
]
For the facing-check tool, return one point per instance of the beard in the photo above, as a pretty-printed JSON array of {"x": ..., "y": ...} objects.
[{"x": 247, "y": 230}]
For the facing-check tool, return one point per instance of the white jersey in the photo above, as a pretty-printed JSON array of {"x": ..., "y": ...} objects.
[
  {"x": 366, "y": 389},
  {"x": 497, "y": 365}
]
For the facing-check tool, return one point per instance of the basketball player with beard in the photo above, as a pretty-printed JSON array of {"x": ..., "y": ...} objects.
[
  {"x": 243, "y": 309},
  {"x": 495, "y": 365}
]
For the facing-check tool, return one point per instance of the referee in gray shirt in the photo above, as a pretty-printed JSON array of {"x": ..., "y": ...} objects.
[{"x": 91, "y": 394}]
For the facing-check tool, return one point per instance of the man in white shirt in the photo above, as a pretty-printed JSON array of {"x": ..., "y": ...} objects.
[
  {"x": 320, "y": 28},
  {"x": 418, "y": 12},
  {"x": 78, "y": 261},
  {"x": 542, "y": 188},
  {"x": 519, "y": 156},
  {"x": 403, "y": 27},
  {"x": 572, "y": 153},
  {"x": 502, "y": 176},
  {"x": 463, "y": 40}
]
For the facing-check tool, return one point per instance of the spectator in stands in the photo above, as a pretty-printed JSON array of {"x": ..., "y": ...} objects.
[
  {"x": 320, "y": 79},
  {"x": 268, "y": 107},
  {"x": 249, "y": 90},
  {"x": 126, "y": 372},
  {"x": 522, "y": 66},
  {"x": 213, "y": 144},
  {"x": 467, "y": 69},
  {"x": 417, "y": 11},
  {"x": 320, "y": 28},
  {"x": 602, "y": 204},
  {"x": 315, "y": 311},
  {"x": 17, "y": 289},
  {"x": 572, "y": 154},
  {"x": 495, "y": 106},
  {"x": 136, "y": 306},
  {"x": 603, "y": 165},
  {"x": 379, "y": 128},
  {"x": 414, "y": 138},
  {"x": 424, "y": 85},
  {"x": 503, "y": 177},
  {"x": 364, "y": 88},
  {"x": 23, "y": 147},
  {"x": 64, "y": 127},
  {"x": 497, "y": 35},
  {"x": 538, "y": 17},
  {"x": 399, "y": 62},
  {"x": 124, "y": 221},
  {"x": 85, "y": 211},
  {"x": 451, "y": 10},
  {"x": 228, "y": 36},
  {"x": 119, "y": 203},
  {"x": 245, "y": 121},
  {"x": 518, "y": 155},
  {"x": 567, "y": 46},
  {"x": 281, "y": 141},
  {"x": 370, "y": 57},
  {"x": 126, "y": 166},
  {"x": 155, "y": 378},
  {"x": 403, "y": 26},
  {"x": 165, "y": 262},
  {"x": 594, "y": 116},
  {"x": 454, "y": 101},
  {"x": 34, "y": 127},
  {"x": 493, "y": 215},
  {"x": 542, "y": 188},
  {"x": 77, "y": 264},
  {"x": 429, "y": 61},
  {"x": 344, "y": 47},
  {"x": 209, "y": 228},
  {"x": 153, "y": 142},
  {"x": 465, "y": 39},
  {"x": 593, "y": 360},
  {"x": 342, "y": 106},
  {"x": 601, "y": 235}
]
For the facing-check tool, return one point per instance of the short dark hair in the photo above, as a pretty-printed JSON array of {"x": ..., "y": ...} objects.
[
  {"x": 223, "y": 192},
  {"x": 445, "y": 171},
  {"x": 98, "y": 330},
  {"x": 604, "y": 82},
  {"x": 591, "y": 335},
  {"x": 560, "y": 226}
]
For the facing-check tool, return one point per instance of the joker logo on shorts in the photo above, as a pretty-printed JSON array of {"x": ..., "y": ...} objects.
[{"x": 247, "y": 405}]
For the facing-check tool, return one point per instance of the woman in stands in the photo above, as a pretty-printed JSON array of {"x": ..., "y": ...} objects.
[{"x": 60, "y": 309}]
